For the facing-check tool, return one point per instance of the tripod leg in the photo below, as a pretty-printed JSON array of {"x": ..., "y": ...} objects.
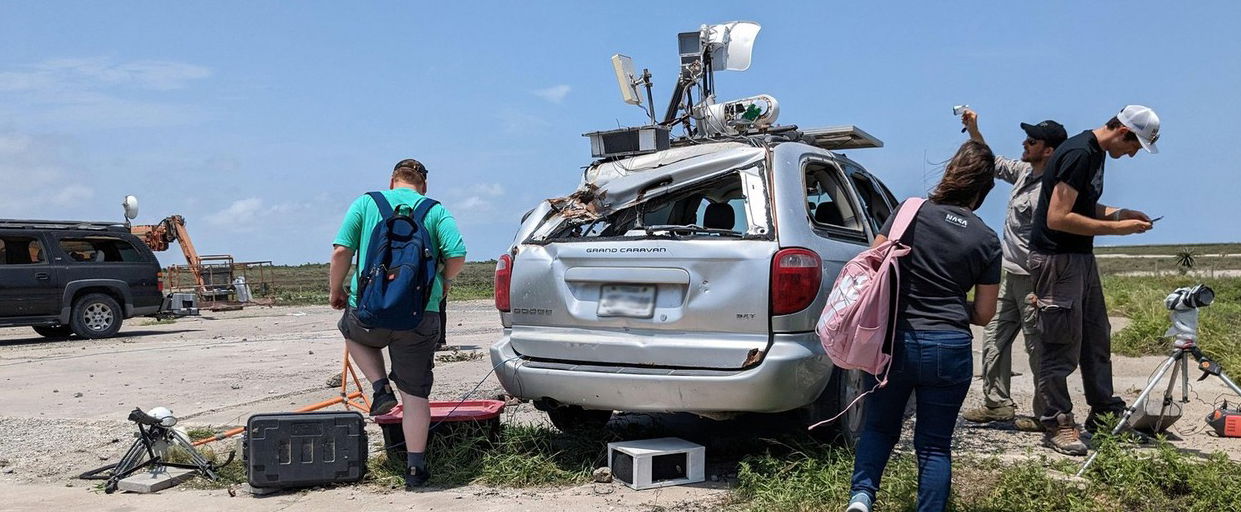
[
  {"x": 197, "y": 458},
  {"x": 1167, "y": 364}
]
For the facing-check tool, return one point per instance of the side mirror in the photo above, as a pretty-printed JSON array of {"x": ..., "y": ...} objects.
[{"x": 131, "y": 207}]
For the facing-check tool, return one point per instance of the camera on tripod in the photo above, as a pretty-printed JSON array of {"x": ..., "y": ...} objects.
[{"x": 1184, "y": 303}]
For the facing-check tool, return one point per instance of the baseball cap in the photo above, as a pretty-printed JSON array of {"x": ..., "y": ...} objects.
[
  {"x": 1050, "y": 132},
  {"x": 1143, "y": 122},
  {"x": 412, "y": 164}
]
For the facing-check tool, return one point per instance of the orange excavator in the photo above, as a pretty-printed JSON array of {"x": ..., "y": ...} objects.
[{"x": 172, "y": 229}]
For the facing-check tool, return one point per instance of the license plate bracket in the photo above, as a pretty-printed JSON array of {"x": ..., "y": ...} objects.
[{"x": 627, "y": 300}]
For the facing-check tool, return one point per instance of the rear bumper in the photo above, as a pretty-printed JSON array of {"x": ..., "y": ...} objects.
[{"x": 792, "y": 374}]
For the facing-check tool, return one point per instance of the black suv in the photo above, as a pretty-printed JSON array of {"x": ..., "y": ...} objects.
[{"x": 67, "y": 277}]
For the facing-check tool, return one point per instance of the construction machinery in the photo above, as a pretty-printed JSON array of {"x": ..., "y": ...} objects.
[{"x": 218, "y": 280}]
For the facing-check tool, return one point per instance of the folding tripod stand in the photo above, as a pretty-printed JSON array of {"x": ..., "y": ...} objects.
[
  {"x": 1178, "y": 363},
  {"x": 150, "y": 449}
]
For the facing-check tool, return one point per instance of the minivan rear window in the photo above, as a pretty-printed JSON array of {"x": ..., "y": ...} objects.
[
  {"x": 99, "y": 249},
  {"x": 714, "y": 209}
]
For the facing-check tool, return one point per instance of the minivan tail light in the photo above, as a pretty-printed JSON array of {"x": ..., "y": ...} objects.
[
  {"x": 504, "y": 276},
  {"x": 159, "y": 281},
  {"x": 796, "y": 274}
]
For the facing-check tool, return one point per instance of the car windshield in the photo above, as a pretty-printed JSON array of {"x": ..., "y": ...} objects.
[{"x": 714, "y": 209}]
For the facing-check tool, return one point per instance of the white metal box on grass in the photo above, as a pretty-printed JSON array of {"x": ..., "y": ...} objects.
[{"x": 651, "y": 463}]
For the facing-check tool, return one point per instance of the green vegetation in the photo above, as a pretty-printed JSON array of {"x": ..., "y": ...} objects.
[
  {"x": 522, "y": 456},
  {"x": 1204, "y": 249},
  {"x": 1140, "y": 299},
  {"x": 802, "y": 478},
  {"x": 307, "y": 284},
  {"x": 159, "y": 321}
]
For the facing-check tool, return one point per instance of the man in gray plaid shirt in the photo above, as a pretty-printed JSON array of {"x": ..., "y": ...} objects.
[{"x": 1016, "y": 311}]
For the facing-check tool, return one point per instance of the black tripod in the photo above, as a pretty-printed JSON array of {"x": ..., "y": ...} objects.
[
  {"x": 150, "y": 449},
  {"x": 1178, "y": 363}
]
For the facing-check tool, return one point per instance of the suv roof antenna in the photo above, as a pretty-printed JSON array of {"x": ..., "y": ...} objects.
[{"x": 727, "y": 45}]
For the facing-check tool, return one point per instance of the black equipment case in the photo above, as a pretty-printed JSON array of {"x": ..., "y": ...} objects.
[{"x": 304, "y": 449}]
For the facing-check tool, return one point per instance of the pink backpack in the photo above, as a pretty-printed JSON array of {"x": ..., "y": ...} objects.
[{"x": 857, "y": 322}]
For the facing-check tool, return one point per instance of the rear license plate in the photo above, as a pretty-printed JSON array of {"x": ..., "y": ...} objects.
[{"x": 637, "y": 301}]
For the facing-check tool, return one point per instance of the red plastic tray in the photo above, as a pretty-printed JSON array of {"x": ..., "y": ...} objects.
[{"x": 469, "y": 410}]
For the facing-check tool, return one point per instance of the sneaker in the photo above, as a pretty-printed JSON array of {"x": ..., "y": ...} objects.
[
  {"x": 860, "y": 502},
  {"x": 1065, "y": 438},
  {"x": 1028, "y": 424},
  {"x": 383, "y": 401},
  {"x": 416, "y": 477},
  {"x": 987, "y": 414}
]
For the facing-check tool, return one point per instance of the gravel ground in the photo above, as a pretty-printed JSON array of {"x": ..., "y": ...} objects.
[{"x": 65, "y": 402}]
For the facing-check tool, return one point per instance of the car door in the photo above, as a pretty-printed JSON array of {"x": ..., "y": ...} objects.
[{"x": 29, "y": 284}]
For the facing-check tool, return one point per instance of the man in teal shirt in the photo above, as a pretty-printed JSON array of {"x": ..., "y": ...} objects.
[{"x": 412, "y": 351}]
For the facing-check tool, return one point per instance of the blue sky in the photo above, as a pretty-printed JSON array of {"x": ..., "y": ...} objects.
[{"x": 260, "y": 121}]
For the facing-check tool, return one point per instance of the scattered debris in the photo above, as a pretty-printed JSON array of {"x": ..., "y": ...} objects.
[
  {"x": 603, "y": 475},
  {"x": 585, "y": 203},
  {"x": 334, "y": 381}
]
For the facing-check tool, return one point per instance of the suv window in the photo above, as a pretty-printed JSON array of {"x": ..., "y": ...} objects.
[
  {"x": 872, "y": 198},
  {"x": 97, "y": 249},
  {"x": 21, "y": 250},
  {"x": 717, "y": 205},
  {"x": 827, "y": 200}
]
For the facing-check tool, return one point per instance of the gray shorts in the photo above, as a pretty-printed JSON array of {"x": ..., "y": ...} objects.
[{"x": 412, "y": 351}]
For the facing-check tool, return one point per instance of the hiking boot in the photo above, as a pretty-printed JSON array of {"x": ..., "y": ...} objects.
[
  {"x": 416, "y": 477},
  {"x": 1028, "y": 424},
  {"x": 383, "y": 401},
  {"x": 1064, "y": 437},
  {"x": 986, "y": 414}
]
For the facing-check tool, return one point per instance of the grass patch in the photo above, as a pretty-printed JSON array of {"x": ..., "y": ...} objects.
[
  {"x": 522, "y": 456},
  {"x": 298, "y": 285},
  {"x": 159, "y": 321},
  {"x": 1140, "y": 299},
  {"x": 1170, "y": 249},
  {"x": 801, "y": 478}
]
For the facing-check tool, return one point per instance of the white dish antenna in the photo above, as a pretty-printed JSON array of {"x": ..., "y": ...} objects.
[
  {"x": 625, "y": 78},
  {"x": 130, "y": 204},
  {"x": 731, "y": 44}
]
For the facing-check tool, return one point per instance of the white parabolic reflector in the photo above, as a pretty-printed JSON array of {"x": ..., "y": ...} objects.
[{"x": 734, "y": 42}]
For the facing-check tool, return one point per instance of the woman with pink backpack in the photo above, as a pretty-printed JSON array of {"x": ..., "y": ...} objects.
[{"x": 951, "y": 251}]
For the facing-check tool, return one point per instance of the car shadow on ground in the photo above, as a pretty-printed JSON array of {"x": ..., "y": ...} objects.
[{"x": 36, "y": 339}]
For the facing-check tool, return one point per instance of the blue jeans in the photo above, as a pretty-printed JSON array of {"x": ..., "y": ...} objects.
[{"x": 939, "y": 366}]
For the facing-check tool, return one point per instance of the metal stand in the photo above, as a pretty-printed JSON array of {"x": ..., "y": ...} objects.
[
  {"x": 1178, "y": 363},
  {"x": 151, "y": 450}
]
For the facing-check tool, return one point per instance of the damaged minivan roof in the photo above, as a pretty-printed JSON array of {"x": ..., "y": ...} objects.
[{"x": 623, "y": 181}]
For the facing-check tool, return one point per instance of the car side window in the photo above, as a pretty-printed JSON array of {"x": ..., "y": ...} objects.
[
  {"x": 827, "y": 199},
  {"x": 99, "y": 249},
  {"x": 874, "y": 200},
  {"x": 21, "y": 250}
]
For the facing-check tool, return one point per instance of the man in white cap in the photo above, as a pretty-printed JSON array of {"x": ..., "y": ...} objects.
[{"x": 1072, "y": 314}]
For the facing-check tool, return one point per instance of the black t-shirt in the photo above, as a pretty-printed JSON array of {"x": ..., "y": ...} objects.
[
  {"x": 951, "y": 250},
  {"x": 1077, "y": 162}
]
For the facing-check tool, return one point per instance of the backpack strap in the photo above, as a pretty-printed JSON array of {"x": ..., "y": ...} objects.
[
  {"x": 423, "y": 208},
  {"x": 905, "y": 216},
  {"x": 381, "y": 202}
]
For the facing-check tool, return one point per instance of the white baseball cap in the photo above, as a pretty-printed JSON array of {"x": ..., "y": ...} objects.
[{"x": 1143, "y": 122}]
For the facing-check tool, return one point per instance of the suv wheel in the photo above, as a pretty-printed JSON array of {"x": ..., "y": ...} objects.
[
  {"x": 96, "y": 316},
  {"x": 59, "y": 331},
  {"x": 841, "y": 390},
  {"x": 572, "y": 418}
]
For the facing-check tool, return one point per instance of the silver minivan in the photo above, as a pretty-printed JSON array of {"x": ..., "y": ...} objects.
[{"x": 689, "y": 280}]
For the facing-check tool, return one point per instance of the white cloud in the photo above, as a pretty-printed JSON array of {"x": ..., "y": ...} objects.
[
  {"x": 90, "y": 73},
  {"x": 555, "y": 93},
  {"x": 488, "y": 189},
  {"x": 241, "y": 212},
  {"x": 40, "y": 176},
  {"x": 98, "y": 92}
]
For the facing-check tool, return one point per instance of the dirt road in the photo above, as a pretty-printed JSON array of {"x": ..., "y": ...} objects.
[{"x": 64, "y": 404}]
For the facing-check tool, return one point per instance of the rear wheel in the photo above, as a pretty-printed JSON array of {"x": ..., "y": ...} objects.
[
  {"x": 841, "y": 390},
  {"x": 59, "y": 331},
  {"x": 572, "y": 418},
  {"x": 96, "y": 315}
]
